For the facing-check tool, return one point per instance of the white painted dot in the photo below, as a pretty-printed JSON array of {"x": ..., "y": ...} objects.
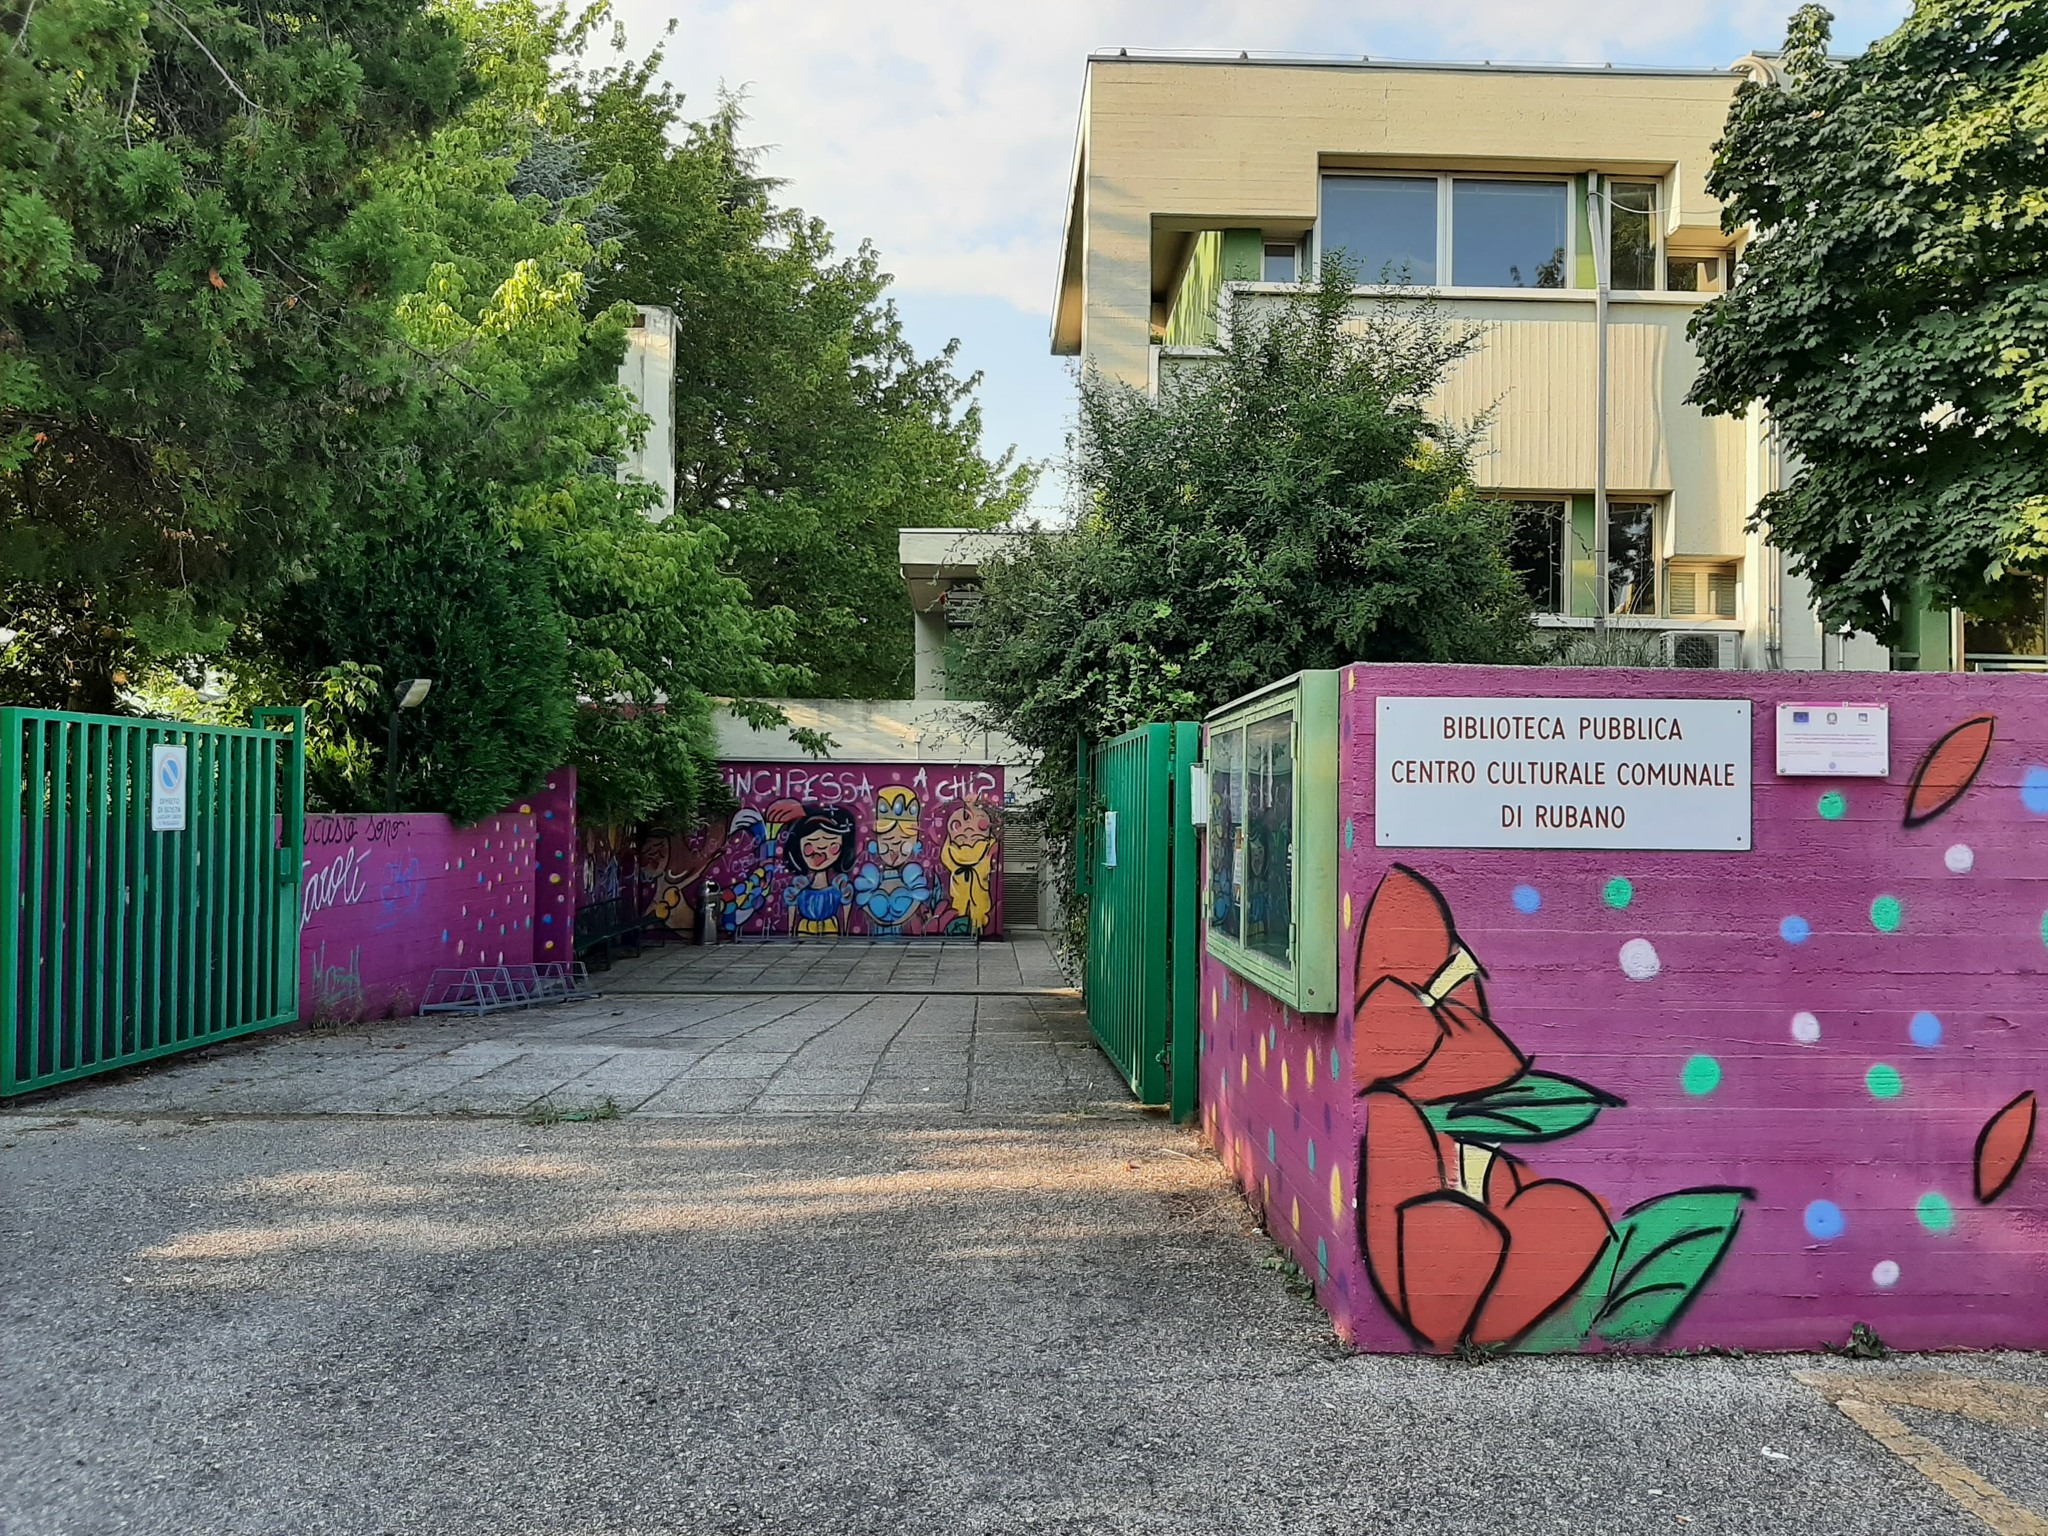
[
  {"x": 1960, "y": 859},
  {"x": 1639, "y": 960},
  {"x": 1885, "y": 1275},
  {"x": 1805, "y": 1028}
]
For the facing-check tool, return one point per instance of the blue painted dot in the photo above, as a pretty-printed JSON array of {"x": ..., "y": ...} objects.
[
  {"x": 1323, "y": 1259},
  {"x": 444, "y": 935},
  {"x": 1825, "y": 1221},
  {"x": 1926, "y": 1030},
  {"x": 1527, "y": 898},
  {"x": 1795, "y": 930},
  {"x": 1273, "y": 1035},
  {"x": 2034, "y": 790},
  {"x": 1272, "y": 1146},
  {"x": 547, "y": 815},
  {"x": 548, "y": 920},
  {"x": 1311, "y": 1154}
]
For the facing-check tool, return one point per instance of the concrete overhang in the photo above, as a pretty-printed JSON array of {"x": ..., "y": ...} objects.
[{"x": 933, "y": 559}]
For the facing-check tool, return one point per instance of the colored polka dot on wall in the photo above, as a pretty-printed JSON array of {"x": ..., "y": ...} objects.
[
  {"x": 1619, "y": 892},
  {"x": 1887, "y": 913},
  {"x": 1833, "y": 805},
  {"x": 1284, "y": 1084},
  {"x": 1527, "y": 899},
  {"x": 1805, "y": 1028},
  {"x": 1702, "y": 1075},
  {"x": 1795, "y": 930},
  {"x": 1272, "y": 1146},
  {"x": 1925, "y": 1030},
  {"x": 1336, "y": 1071},
  {"x": 1337, "y": 1194},
  {"x": 1640, "y": 960},
  {"x": 1885, "y": 1275},
  {"x": 2034, "y": 790},
  {"x": 1883, "y": 1081},
  {"x": 1825, "y": 1221},
  {"x": 1960, "y": 859},
  {"x": 1323, "y": 1260},
  {"x": 1350, "y": 832},
  {"x": 1311, "y": 1154},
  {"x": 1935, "y": 1213},
  {"x": 1347, "y": 913},
  {"x": 1308, "y": 1065}
]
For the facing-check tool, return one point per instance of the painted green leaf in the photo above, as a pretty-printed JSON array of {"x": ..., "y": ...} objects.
[
  {"x": 1537, "y": 1106},
  {"x": 1663, "y": 1252}
]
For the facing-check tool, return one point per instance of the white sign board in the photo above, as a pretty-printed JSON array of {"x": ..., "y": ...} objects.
[
  {"x": 1109, "y": 839},
  {"x": 166, "y": 789},
  {"x": 1562, "y": 773},
  {"x": 1850, "y": 741}
]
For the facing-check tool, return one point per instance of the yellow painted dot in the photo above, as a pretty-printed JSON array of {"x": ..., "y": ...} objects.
[
  {"x": 1351, "y": 682},
  {"x": 557, "y": 880},
  {"x": 1308, "y": 1064},
  {"x": 1283, "y": 1078},
  {"x": 1337, "y": 1194},
  {"x": 1347, "y": 911},
  {"x": 1244, "y": 1069},
  {"x": 1296, "y": 1214},
  {"x": 526, "y": 810},
  {"x": 1214, "y": 1006},
  {"x": 1262, "y": 1053}
]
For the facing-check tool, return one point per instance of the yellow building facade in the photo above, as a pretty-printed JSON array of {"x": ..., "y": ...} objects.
[{"x": 1196, "y": 178}]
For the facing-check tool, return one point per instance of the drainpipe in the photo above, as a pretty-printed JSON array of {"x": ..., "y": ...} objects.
[{"x": 1596, "y": 219}]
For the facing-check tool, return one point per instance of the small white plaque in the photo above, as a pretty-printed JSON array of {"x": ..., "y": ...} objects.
[
  {"x": 1198, "y": 795},
  {"x": 1562, "y": 773},
  {"x": 1109, "y": 839},
  {"x": 167, "y": 788},
  {"x": 1837, "y": 741}
]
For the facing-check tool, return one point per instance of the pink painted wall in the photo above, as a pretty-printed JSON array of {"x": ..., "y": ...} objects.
[
  {"x": 387, "y": 900},
  {"x": 910, "y": 849},
  {"x": 1823, "y": 1069}
]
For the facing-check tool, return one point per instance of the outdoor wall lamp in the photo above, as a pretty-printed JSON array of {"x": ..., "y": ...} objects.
[{"x": 408, "y": 695}]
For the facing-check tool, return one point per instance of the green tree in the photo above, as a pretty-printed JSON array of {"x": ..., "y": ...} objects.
[
  {"x": 1287, "y": 505},
  {"x": 806, "y": 428},
  {"x": 181, "y": 359},
  {"x": 1892, "y": 310}
]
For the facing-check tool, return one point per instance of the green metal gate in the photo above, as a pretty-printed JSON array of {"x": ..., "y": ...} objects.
[
  {"x": 1138, "y": 869},
  {"x": 119, "y": 942}
]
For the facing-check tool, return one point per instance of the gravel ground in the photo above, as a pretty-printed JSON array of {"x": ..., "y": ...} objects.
[{"x": 268, "y": 1323}]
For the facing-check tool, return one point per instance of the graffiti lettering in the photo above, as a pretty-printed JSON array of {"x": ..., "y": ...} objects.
[
  {"x": 340, "y": 884},
  {"x": 333, "y": 831},
  {"x": 404, "y": 889},
  {"x": 337, "y": 986}
]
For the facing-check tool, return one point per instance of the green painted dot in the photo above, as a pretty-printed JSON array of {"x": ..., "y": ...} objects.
[
  {"x": 1883, "y": 1081},
  {"x": 1886, "y": 913},
  {"x": 1702, "y": 1075},
  {"x": 1935, "y": 1213},
  {"x": 1336, "y": 1072},
  {"x": 1833, "y": 805},
  {"x": 1619, "y": 892},
  {"x": 1349, "y": 832},
  {"x": 2044, "y": 927}
]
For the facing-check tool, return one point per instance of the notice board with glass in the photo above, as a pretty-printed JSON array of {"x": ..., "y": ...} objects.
[{"x": 1271, "y": 877}]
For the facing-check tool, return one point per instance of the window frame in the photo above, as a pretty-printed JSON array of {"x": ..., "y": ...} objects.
[
  {"x": 1446, "y": 251},
  {"x": 1307, "y": 980},
  {"x": 1660, "y": 526},
  {"x": 1658, "y": 254}
]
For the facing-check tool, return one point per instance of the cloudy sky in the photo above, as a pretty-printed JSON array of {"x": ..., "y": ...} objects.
[{"x": 943, "y": 130}]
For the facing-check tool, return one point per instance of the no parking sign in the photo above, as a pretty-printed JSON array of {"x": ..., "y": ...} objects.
[{"x": 167, "y": 788}]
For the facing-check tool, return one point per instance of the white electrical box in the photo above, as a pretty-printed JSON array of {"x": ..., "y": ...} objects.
[{"x": 1835, "y": 741}]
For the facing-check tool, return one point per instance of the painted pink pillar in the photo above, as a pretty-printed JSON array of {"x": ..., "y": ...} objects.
[
  {"x": 555, "y": 882},
  {"x": 1839, "y": 1027}
]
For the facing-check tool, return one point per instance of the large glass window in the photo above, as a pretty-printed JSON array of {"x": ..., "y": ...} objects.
[
  {"x": 1279, "y": 261},
  {"x": 1226, "y": 833},
  {"x": 2010, "y": 630},
  {"x": 1508, "y": 234},
  {"x": 1385, "y": 226},
  {"x": 1632, "y": 234},
  {"x": 1631, "y": 557},
  {"x": 1536, "y": 549},
  {"x": 1269, "y": 838}
]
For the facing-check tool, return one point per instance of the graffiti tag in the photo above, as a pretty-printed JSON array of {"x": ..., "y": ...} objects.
[
  {"x": 404, "y": 889},
  {"x": 340, "y": 884},
  {"x": 336, "y": 986}
]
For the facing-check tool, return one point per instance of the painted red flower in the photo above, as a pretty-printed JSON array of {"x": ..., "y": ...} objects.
[{"x": 1421, "y": 1023}]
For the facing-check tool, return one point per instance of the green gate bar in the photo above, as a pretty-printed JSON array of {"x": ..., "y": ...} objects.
[{"x": 119, "y": 943}]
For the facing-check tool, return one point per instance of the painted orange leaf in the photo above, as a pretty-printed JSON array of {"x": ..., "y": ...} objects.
[
  {"x": 1950, "y": 767},
  {"x": 2002, "y": 1147}
]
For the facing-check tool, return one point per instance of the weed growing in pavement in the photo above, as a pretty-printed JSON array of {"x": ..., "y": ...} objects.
[
  {"x": 548, "y": 1112},
  {"x": 1864, "y": 1344},
  {"x": 1292, "y": 1275},
  {"x": 1469, "y": 1353}
]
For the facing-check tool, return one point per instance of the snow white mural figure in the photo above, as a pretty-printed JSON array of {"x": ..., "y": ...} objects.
[
  {"x": 818, "y": 850},
  {"x": 891, "y": 886}
]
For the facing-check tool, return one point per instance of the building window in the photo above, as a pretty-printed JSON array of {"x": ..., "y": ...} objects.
[
  {"x": 1281, "y": 261},
  {"x": 1631, "y": 557},
  {"x": 1632, "y": 234},
  {"x": 1508, "y": 234},
  {"x": 1700, "y": 589},
  {"x": 1536, "y": 549},
  {"x": 1385, "y": 225},
  {"x": 2009, "y": 633},
  {"x": 1693, "y": 274}
]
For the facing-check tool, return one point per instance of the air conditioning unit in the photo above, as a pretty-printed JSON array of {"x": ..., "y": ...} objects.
[{"x": 1706, "y": 649}]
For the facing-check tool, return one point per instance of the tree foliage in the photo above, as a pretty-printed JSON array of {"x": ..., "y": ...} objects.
[
  {"x": 1892, "y": 311},
  {"x": 807, "y": 429},
  {"x": 1290, "y": 504}
]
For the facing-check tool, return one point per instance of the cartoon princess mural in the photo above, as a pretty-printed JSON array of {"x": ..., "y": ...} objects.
[
  {"x": 969, "y": 855},
  {"x": 671, "y": 869},
  {"x": 891, "y": 886},
  {"x": 819, "y": 848},
  {"x": 741, "y": 900}
]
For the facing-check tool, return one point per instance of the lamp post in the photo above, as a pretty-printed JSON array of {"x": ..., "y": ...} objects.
[{"x": 407, "y": 695}]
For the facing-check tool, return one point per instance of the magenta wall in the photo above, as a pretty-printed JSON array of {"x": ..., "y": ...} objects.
[
  {"x": 906, "y": 849},
  {"x": 388, "y": 900},
  {"x": 1810, "y": 1084}
]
